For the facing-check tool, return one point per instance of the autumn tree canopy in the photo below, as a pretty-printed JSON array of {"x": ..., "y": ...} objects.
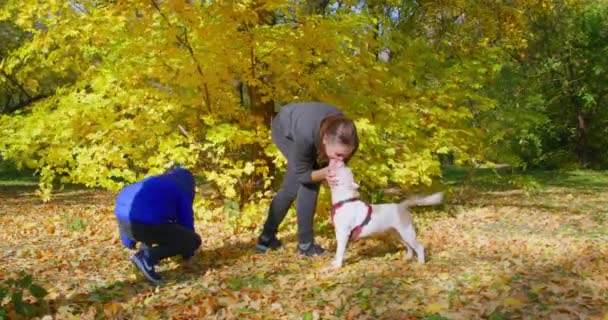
[{"x": 95, "y": 92}]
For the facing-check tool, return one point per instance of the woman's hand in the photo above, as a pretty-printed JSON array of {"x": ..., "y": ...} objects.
[
  {"x": 331, "y": 176},
  {"x": 327, "y": 173}
]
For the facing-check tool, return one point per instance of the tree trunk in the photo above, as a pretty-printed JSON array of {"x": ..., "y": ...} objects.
[
  {"x": 315, "y": 7},
  {"x": 581, "y": 147},
  {"x": 582, "y": 152}
]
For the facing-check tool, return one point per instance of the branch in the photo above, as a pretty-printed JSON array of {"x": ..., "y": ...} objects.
[
  {"x": 185, "y": 133},
  {"x": 21, "y": 104},
  {"x": 184, "y": 41},
  {"x": 16, "y": 84}
]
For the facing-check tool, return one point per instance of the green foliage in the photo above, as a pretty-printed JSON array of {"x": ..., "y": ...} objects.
[
  {"x": 10, "y": 175},
  {"x": 552, "y": 95},
  {"x": 74, "y": 224},
  {"x": 21, "y": 295},
  {"x": 525, "y": 182},
  {"x": 8, "y": 169},
  {"x": 253, "y": 282}
]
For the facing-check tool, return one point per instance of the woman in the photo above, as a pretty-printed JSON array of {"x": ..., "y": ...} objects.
[{"x": 308, "y": 135}]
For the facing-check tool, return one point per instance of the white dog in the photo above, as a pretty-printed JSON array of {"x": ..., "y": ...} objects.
[{"x": 355, "y": 219}]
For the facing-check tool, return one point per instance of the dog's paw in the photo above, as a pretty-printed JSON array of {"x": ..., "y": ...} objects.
[
  {"x": 409, "y": 254},
  {"x": 336, "y": 264},
  {"x": 331, "y": 268}
]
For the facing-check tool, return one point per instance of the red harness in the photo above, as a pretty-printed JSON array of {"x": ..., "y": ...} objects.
[{"x": 354, "y": 234}]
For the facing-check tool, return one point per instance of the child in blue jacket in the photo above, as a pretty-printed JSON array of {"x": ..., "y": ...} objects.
[{"x": 157, "y": 211}]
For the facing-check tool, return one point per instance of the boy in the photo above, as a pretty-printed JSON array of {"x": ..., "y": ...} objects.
[{"x": 157, "y": 211}]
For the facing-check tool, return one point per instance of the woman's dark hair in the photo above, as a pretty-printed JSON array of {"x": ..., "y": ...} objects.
[{"x": 337, "y": 128}]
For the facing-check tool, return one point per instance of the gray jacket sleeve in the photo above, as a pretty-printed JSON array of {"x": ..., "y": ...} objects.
[{"x": 303, "y": 159}]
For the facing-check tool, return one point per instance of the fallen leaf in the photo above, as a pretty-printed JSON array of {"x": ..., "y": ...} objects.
[
  {"x": 537, "y": 288},
  {"x": 512, "y": 302},
  {"x": 501, "y": 254},
  {"x": 353, "y": 312},
  {"x": 435, "y": 308}
]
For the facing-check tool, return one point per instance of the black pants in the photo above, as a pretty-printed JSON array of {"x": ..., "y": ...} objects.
[
  {"x": 291, "y": 189},
  {"x": 163, "y": 240}
]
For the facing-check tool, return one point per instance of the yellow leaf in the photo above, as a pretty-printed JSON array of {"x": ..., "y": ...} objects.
[
  {"x": 537, "y": 288},
  {"x": 435, "y": 308},
  {"x": 512, "y": 302},
  {"x": 112, "y": 307},
  {"x": 353, "y": 312}
]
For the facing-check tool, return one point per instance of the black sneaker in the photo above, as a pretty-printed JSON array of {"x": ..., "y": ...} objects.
[
  {"x": 267, "y": 243},
  {"x": 311, "y": 250},
  {"x": 147, "y": 269}
]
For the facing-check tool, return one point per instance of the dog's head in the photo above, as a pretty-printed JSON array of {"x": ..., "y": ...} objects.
[{"x": 344, "y": 176}]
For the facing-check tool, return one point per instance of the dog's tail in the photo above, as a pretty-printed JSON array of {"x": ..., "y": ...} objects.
[{"x": 434, "y": 199}]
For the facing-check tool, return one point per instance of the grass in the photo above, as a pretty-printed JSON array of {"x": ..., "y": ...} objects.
[{"x": 486, "y": 179}]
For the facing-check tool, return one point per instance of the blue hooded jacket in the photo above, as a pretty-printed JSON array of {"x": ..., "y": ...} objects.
[{"x": 159, "y": 199}]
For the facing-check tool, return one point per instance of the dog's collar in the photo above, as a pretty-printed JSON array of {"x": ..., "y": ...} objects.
[{"x": 341, "y": 203}]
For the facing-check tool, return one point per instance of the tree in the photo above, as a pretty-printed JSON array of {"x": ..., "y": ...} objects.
[
  {"x": 146, "y": 68},
  {"x": 554, "y": 93},
  {"x": 31, "y": 69}
]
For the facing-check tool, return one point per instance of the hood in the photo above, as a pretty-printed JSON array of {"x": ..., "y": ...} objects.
[{"x": 184, "y": 178}]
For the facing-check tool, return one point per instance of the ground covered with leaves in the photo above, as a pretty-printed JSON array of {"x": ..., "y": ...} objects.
[{"x": 505, "y": 247}]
